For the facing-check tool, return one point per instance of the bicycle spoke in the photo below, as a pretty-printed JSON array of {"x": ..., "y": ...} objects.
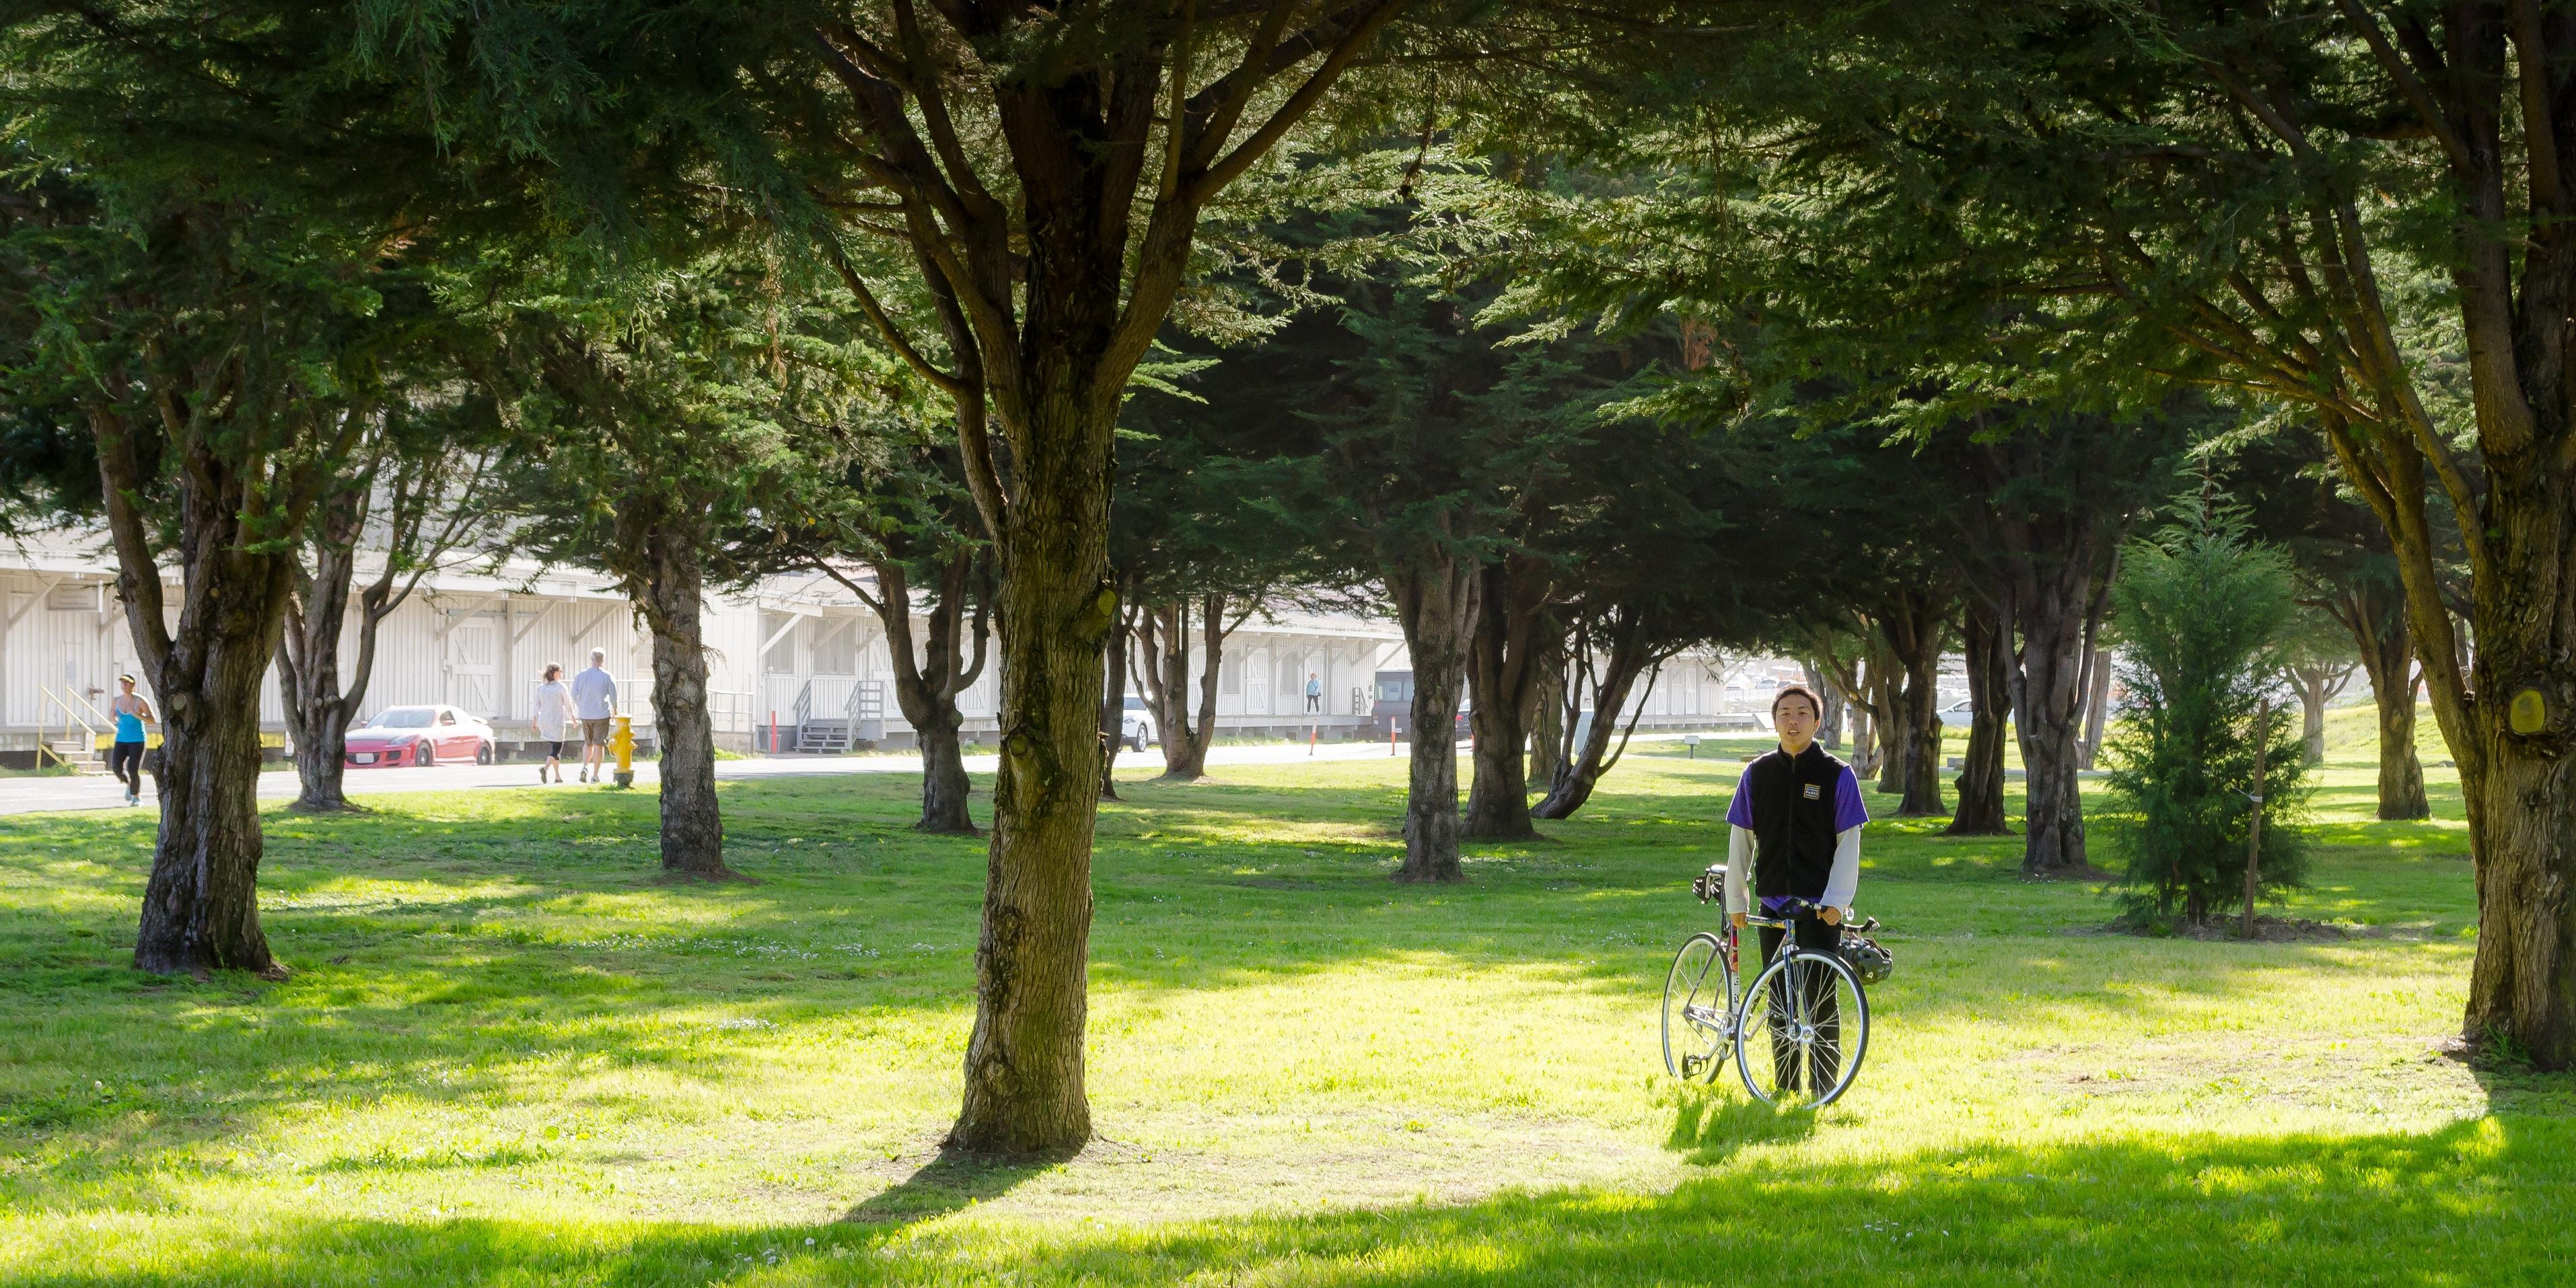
[
  {"x": 1805, "y": 1029},
  {"x": 1695, "y": 1002}
]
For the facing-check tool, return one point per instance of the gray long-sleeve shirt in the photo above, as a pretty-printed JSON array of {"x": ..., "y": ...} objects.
[{"x": 594, "y": 695}]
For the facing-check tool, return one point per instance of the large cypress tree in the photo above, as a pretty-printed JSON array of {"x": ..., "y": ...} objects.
[
  {"x": 215, "y": 225},
  {"x": 666, "y": 413}
]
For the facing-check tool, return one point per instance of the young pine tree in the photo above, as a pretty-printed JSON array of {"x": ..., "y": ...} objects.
[{"x": 2204, "y": 613}]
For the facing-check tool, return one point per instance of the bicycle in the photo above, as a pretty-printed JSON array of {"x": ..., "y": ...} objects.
[{"x": 1801, "y": 1028}]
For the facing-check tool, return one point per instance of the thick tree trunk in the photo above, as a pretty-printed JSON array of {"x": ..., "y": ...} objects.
[
  {"x": 1512, "y": 632},
  {"x": 319, "y": 701},
  {"x": 2313, "y": 695},
  {"x": 671, "y": 596},
  {"x": 1829, "y": 729},
  {"x": 927, "y": 682},
  {"x": 1852, "y": 694},
  {"x": 1915, "y": 632},
  {"x": 2047, "y": 704},
  {"x": 1049, "y": 294},
  {"x": 1435, "y": 602},
  {"x": 1865, "y": 755},
  {"x": 1025, "y": 1085},
  {"x": 2522, "y": 816},
  {"x": 2401, "y": 771},
  {"x": 2519, "y": 780},
  {"x": 1164, "y": 640},
  {"x": 308, "y": 667},
  {"x": 1988, "y": 645},
  {"x": 1888, "y": 706},
  {"x": 2378, "y": 628},
  {"x": 1628, "y": 661},
  {"x": 2097, "y": 705},
  {"x": 201, "y": 902},
  {"x": 319, "y": 705},
  {"x": 1547, "y": 718}
]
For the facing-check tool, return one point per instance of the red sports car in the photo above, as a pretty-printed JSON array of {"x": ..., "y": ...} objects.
[{"x": 420, "y": 736}]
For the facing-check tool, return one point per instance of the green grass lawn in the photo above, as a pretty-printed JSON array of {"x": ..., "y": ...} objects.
[{"x": 509, "y": 1056}]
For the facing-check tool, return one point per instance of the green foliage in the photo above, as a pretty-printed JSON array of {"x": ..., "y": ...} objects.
[
  {"x": 2205, "y": 615},
  {"x": 216, "y": 236},
  {"x": 675, "y": 409}
]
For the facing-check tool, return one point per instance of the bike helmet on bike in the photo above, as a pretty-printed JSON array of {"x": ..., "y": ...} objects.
[{"x": 1866, "y": 959}]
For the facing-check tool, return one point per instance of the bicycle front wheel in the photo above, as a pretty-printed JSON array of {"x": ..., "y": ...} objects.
[
  {"x": 1804, "y": 1032},
  {"x": 1699, "y": 1002}
]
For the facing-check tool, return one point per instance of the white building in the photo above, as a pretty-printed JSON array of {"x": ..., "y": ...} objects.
[{"x": 798, "y": 662}]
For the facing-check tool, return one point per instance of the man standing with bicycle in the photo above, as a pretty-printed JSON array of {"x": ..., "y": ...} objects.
[{"x": 1793, "y": 841}]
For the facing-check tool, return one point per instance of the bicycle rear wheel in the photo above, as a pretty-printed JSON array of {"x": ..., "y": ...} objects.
[
  {"x": 1699, "y": 1001},
  {"x": 1804, "y": 1032}
]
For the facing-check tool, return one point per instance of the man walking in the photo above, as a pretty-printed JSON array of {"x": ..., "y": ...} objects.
[
  {"x": 1795, "y": 823},
  {"x": 594, "y": 701},
  {"x": 125, "y": 759}
]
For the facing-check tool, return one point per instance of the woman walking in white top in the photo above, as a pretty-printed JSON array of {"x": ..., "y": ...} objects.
[{"x": 553, "y": 720}]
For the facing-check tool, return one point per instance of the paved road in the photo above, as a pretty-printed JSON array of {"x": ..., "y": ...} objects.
[{"x": 42, "y": 795}]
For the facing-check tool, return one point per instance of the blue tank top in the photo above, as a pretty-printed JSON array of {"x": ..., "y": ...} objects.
[{"x": 129, "y": 727}]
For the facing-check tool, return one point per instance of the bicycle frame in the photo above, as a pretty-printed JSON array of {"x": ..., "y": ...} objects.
[
  {"x": 1727, "y": 1019},
  {"x": 1723, "y": 1024}
]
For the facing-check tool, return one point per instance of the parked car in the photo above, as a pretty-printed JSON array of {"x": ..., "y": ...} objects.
[
  {"x": 1959, "y": 714},
  {"x": 1137, "y": 728},
  {"x": 420, "y": 736}
]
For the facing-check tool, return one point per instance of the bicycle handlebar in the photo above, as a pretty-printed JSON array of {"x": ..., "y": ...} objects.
[{"x": 1867, "y": 924}]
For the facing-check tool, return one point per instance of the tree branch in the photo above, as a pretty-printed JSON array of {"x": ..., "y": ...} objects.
[{"x": 2390, "y": 61}]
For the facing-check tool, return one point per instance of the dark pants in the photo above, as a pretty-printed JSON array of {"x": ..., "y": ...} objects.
[
  {"x": 125, "y": 760},
  {"x": 1315, "y": 702},
  {"x": 1824, "y": 1011}
]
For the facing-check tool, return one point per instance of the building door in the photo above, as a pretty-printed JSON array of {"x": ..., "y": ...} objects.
[
  {"x": 473, "y": 671},
  {"x": 1256, "y": 682}
]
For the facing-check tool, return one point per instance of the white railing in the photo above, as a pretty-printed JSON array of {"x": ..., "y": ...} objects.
[
  {"x": 866, "y": 702},
  {"x": 730, "y": 710}
]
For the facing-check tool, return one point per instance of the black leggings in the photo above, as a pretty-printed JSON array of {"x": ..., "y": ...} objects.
[
  {"x": 1823, "y": 1007},
  {"x": 125, "y": 760}
]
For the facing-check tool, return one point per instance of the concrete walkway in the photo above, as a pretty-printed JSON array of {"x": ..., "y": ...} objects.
[{"x": 45, "y": 795}]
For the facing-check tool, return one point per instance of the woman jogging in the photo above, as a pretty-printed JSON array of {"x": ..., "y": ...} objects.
[
  {"x": 125, "y": 759},
  {"x": 1795, "y": 822},
  {"x": 553, "y": 720}
]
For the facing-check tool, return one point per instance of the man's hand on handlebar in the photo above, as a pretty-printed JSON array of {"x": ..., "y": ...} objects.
[{"x": 1826, "y": 913}]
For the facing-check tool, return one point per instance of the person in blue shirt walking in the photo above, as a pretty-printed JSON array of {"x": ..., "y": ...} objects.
[
  {"x": 125, "y": 758},
  {"x": 1795, "y": 823}
]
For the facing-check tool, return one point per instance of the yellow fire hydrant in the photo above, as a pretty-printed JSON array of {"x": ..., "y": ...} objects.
[{"x": 623, "y": 743}]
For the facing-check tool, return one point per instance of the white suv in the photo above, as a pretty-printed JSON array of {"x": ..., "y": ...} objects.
[{"x": 1137, "y": 729}]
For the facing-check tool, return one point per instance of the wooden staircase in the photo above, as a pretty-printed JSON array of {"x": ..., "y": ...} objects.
[
  {"x": 83, "y": 758},
  {"x": 862, "y": 717}
]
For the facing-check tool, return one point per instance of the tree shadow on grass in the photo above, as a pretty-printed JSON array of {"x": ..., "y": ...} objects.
[
  {"x": 2479, "y": 1201},
  {"x": 952, "y": 1180}
]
